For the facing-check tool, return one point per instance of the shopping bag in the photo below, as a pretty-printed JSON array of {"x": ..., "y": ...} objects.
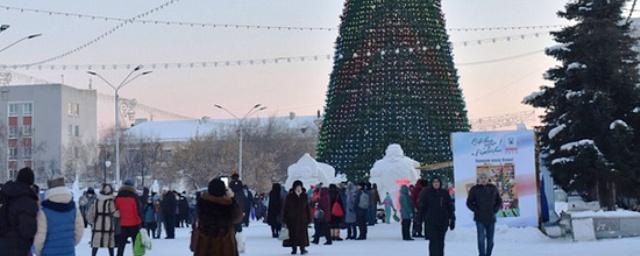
[
  {"x": 240, "y": 240},
  {"x": 284, "y": 234}
]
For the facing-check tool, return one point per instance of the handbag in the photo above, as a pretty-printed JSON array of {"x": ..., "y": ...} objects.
[
  {"x": 117, "y": 229},
  {"x": 284, "y": 234},
  {"x": 395, "y": 216},
  {"x": 336, "y": 210}
]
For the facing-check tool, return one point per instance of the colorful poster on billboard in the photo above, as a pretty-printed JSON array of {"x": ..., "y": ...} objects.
[{"x": 508, "y": 158}]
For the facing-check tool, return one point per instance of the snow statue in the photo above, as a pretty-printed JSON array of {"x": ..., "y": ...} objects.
[
  {"x": 311, "y": 172},
  {"x": 393, "y": 171}
]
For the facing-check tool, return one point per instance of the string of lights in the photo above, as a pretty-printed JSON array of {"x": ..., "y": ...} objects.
[
  {"x": 243, "y": 26},
  {"x": 274, "y": 60},
  {"x": 103, "y": 35}
]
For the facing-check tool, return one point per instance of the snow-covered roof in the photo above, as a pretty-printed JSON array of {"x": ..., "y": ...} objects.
[{"x": 183, "y": 130}]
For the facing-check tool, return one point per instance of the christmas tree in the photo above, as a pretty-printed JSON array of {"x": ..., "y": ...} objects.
[
  {"x": 591, "y": 133},
  {"x": 393, "y": 81}
]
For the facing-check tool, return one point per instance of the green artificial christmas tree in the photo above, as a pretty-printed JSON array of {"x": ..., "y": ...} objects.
[
  {"x": 591, "y": 133},
  {"x": 393, "y": 81}
]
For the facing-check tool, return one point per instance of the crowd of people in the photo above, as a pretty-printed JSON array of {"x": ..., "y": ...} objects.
[{"x": 53, "y": 224}]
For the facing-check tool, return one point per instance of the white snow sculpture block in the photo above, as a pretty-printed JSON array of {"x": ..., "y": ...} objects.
[
  {"x": 583, "y": 229},
  {"x": 393, "y": 170},
  {"x": 311, "y": 172}
]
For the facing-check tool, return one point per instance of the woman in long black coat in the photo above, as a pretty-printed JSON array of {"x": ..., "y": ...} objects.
[
  {"x": 297, "y": 217},
  {"x": 274, "y": 213}
]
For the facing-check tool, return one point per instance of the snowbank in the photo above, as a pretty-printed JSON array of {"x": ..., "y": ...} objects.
[{"x": 605, "y": 214}]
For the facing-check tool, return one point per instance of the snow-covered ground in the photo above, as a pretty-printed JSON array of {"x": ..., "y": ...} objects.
[{"x": 385, "y": 240}]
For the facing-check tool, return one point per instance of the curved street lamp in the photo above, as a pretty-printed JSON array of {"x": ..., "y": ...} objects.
[
  {"x": 20, "y": 40},
  {"x": 116, "y": 90},
  {"x": 255, "y": 109}
]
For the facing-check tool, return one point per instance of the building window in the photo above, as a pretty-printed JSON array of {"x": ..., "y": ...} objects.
[
  {"x": 27, "y": 152},
  {"x": 13, "y": 153},
  {"x": 13, "y": 174},
  {"x": 28, "y": 164},
  {"x": 27, "y": 109},
  {"x": 73, "y": 109},
  {"x": 14, "y": 109},
  {"x": 77, "y": 131},
  {"x": 13, "y": 131},
  {"x": 77, "y": 112}
]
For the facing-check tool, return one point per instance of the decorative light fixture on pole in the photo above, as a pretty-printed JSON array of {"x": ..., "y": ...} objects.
[
  {"x": 116, "y": 90},
  {"x": 107, "y": 164},
  {"x": 257, "y": 108}
]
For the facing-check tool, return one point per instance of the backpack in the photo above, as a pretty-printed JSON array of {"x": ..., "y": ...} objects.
[
  {"x": 364, "y": 201},
  {"x": 4, "y": 212}
]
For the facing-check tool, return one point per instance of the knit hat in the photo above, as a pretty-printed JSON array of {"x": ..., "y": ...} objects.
[
  {"x": 128, "y": 182},
  {"x": 25, "y": 175},
  {"x": 216, "y": 187},
  {"x": 55, "y": 182},
  {"x": 90, "y": 191}
]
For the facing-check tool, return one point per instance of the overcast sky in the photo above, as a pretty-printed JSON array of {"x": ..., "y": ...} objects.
[{"x": 490, "y": 89}]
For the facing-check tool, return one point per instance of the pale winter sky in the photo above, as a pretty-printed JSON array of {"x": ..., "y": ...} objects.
[{"x": 490, "y": 89}]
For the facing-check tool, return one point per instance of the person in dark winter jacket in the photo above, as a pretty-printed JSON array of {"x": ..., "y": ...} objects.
[
  {"x": 218, "y": 214},
  {"x": 438, "y": 210},
  {"x": 237, "y": 188},
  {"x": 86, "y": 201},
  {"x": 60, "y": 223},
  {"x": 150, "y": 218},
  {"x": 128, "y": 204},
  {"x": 100, "y": 215},
  {"x": 274, "y": 213},
  {"x": 336, "y": 208},
  {"x": 362, "y": 210},
  {"x": 297, "y": 217},
  {"x": 375, "y": 200},
  {"x": 183, "y": 211},
  {"x": 323, "y": 217},
  {"x": 22, "y": 210},
  {"x": 406, "y": 212},
  {"x": 350, "y": 211},
  {"x": 418, "y": 221},
  {"x": 484, "y": 201},
  {"x": 169, "y": 204},
  {"x": 247, "y": 205}
]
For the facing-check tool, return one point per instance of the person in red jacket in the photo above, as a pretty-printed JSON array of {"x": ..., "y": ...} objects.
[
  {"x": 128, "y": 205},
  {"x": 418, "y": 219}
]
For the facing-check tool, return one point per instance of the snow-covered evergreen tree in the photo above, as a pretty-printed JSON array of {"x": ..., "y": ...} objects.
[{"x": 591, "y": 133}]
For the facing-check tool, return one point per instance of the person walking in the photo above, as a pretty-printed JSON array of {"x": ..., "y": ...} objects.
[
  {"x": 169, "y": 205},
  {"x": 388, "y": 206},
  {"x": 18, "y": 219},
  {"x": 237, "y": 187},
  {"x": 86, "y": 201},
  {"x": 350, "y": 211},
  {"x": 218, "y": 214},
  {"x": 247, "y": 204},
  {"x": 101, "y": 216},
  {"x": 484, "y": 201},
  {"x": 157, "y": 204},
  {"x": 297, "y": 217},
  {"x": 128, "y": 204},
  {"x": 274, "y": 213},
  {"x": 418, "y": 221},
  {"x": 336, "y": 208},
  {"x": 374, "y": 198},
  {"x": 362, "y": 211},
  {"x": 406, "y": 212},
  {"x": 60, "y": 223},
  {"x": 323, "y": 217},
  {"x": 150, "y": 217},
  {"x": 438, "y": 209},
  {"x": 183, "y": 210}
]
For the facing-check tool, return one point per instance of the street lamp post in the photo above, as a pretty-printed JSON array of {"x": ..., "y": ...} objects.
[
  {"x": 255, "y": 109},
  {"x": 18, "y": 41},
  {"x": 4, "y": 27},
  {"x": 116, "y": 90}
]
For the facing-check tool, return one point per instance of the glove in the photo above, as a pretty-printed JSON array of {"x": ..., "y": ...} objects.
[{"x": 452, "y": 224}]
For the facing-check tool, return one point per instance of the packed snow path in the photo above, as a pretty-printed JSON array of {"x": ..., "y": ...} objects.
[{"x": 385, "y": 240}]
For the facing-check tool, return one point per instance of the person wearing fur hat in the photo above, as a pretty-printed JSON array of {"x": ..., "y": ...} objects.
[
  {"x": 60, "y": 224},
  {"x": 20, "y": 220},
  {"x": 127, "y": 204},
  {"x": 297, "y": 217},
  {"x": 218, "y": 215},
  {"x": 100, "y": 215}
]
